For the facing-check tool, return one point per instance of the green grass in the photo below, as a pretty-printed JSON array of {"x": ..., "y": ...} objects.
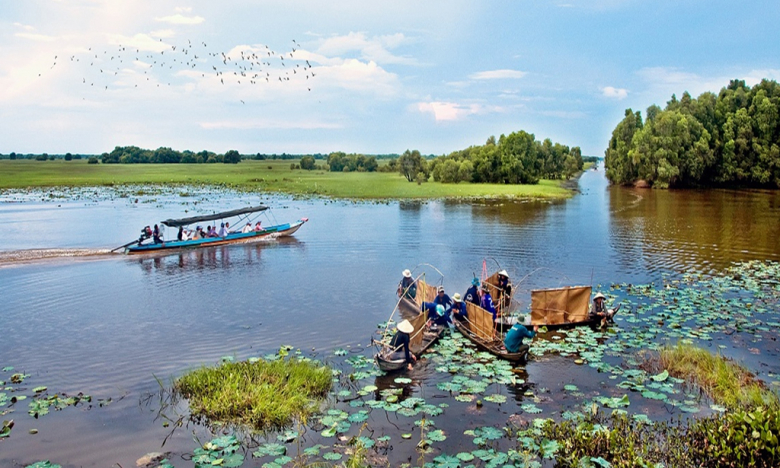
[
  {"x": 723, "y": 380},
  {"x": 260, "y": 176},
  {"x": 261, "y": 394}
]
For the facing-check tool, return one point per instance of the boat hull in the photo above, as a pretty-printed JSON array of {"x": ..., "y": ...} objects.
[
  {"x": 272, "y": 232},
  {"x": 492, "y": 347}
]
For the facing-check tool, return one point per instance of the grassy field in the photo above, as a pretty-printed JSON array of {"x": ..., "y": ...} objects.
[{"x": 263, "y": 176}]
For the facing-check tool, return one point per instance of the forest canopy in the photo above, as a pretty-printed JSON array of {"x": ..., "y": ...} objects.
[
  {"x": 517, "y": 158},
  {"x": 728, "y": 139}
]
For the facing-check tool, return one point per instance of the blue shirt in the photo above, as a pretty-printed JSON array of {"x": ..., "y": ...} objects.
[
  {"x": 487, "y": 304},
  {"x": 458, "y": 310},
  {"x": 514, "y": 337},
  {"x": 443, "y": 300},
  {"x": 430, "y": 309},
  {"x": 472, "y": 295}
]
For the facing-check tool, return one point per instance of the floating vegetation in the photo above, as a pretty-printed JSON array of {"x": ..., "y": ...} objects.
[{"x": 261, "y": 393}]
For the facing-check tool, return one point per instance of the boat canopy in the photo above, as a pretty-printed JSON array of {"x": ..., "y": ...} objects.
[
  {"x": 560, "y": 306},
  {"x": 212, "y": 217}
]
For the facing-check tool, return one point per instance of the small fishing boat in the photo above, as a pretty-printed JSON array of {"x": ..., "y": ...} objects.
[
  {"x": 237, "y": 237},
  {"x": 480, "y": 327},
  {"x": 561, "y": 307},
  {"x": 420, "y": 339}
]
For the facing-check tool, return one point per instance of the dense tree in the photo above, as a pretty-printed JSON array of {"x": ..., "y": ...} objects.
[
  {"x": 307, "y": 162},
  {"x": 12, "y": 156},
  {"x": 341, "y": 162},
  {"x": 68, "y": 157},
  {"x": 729, "y": 139},
  {"x": 413, "y": 166},
  {"x": 232, "y": 157}
]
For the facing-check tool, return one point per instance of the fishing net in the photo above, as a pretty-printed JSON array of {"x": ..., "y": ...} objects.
[{"x": 560, "y": 305}]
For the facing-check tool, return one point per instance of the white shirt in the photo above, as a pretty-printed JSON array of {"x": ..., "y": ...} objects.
[{"x": 223, "y": 232}]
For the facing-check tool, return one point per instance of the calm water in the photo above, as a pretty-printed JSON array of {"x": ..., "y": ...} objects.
[{"x": 107, "y": 327}]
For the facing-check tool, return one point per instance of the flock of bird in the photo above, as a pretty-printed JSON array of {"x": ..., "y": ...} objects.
[{"x": 129, "y": 67}]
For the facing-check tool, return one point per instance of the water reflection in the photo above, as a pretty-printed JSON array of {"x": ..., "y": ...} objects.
[
  {"x": 663, "y": 230},
  {"x": 210, "y": 258}
]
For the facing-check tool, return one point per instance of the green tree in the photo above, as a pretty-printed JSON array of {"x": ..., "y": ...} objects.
[
  {"x": 307, "y": 163},
  {"x": 12, "y": 156},
  {"x": 620, "y": 168},
  {"x": 410, "y": 164},
  {"x": 68, "y": 157},
  {"x": 231, "y": 157}
]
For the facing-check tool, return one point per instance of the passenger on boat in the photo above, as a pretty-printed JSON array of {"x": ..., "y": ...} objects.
[
  {"x": 212, "y": 232},
  {"x": 487, "y": 302},
  {"x": 600, "y": 310},
  {"x": 458, "y": 309},
  {"x": 513, "y": 342},
  {"x": 472, "y": 294},
  {"x": 223, "y": 231},
  {"x": 400, "y": 342},
  {"x": 247, "y": 228},
  {"x": 227, "y": 228},
  {"x": 258, "y": 227},
  {"x": 442, "y": 299},
  {"x": 146, "y": 233},
  {"x": 505, "y": 289},
  {"x": 407, "y": 287},
  {"x": 198, "y": 234},
  {"x": 180, "y": 235},
  {"x": 157, "y": 235}
]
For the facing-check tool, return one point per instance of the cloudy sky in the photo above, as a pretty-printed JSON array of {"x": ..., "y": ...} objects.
[{"x": 372, "y": 77}]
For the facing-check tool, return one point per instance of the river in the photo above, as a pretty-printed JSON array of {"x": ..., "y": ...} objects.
[{"x": 109, "y": 326}]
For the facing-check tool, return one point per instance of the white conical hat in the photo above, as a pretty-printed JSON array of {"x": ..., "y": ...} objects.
[
  {"x": 503, "y": 273},
  {"x": 405, "y": 327},
  {"x": 599, "y": 296},
  {"x": 407, "y": 274}
]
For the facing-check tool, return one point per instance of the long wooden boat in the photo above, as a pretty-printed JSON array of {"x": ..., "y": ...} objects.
[
  {"x": 481, "y": 331},
  {"x": 422, "y": 337},
  {"x": 270, "y": 232}
]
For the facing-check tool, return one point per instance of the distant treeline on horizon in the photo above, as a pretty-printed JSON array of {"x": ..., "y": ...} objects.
[
  {"x": 728, "y": 139},
  {"x": 132, "y": 149}
]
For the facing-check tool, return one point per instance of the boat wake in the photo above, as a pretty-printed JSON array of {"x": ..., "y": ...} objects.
[{"x": 11, "y": 257}]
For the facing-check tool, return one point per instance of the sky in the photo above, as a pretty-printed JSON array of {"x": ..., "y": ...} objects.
[{"x": 356, "y": 76}]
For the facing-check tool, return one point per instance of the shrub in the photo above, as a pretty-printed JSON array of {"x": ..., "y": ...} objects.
[
  {"x": 307, "y": 163},
  {"x": 92, "y": 160},
  {"x": 68, "y": 157}
]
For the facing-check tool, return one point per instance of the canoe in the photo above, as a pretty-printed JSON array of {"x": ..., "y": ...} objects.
[
  {"x": 270, "y": 232},
  {"x": 421, "y": 338},
  {"x": 392, "y": 365},
  {"x": 493, "y": 345}
]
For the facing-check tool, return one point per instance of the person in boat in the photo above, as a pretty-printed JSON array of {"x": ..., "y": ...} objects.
[
  {"x": 408, "y": 286},
  {"x": 223, "y": 231},
  {"x": 227, "y": 228},
  {"x": 513, "y": 341},
  {"x": 458, "y": 309},
  {"x": 181, "y": 236},
  {"x": 504, "y": 289},
  {"x": 146, "y": 233},
  {"x": 157, "y": 235},
  {"x": 247, "y": 228},
  {"x": 198, "y": 233},
  {"x": 212, "y": 232},
  {"x": 400, "y": 343},
  {"x": 258, "y": 227},
  {"x": 599, "y": 311},
  {"x": 442, "y": 299},
  {"x": 487, "y": 302},
  {"x": 438, "y": 315},
  {"x": 472, "y": 294}
]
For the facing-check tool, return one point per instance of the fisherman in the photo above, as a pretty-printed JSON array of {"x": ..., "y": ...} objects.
[
  {"x": 146, "y": 233},
  {"x": 487, "y": 302},
  {"x": 513, "y": 342},
  {"x": 504, "y": 289},
  {"x": 458, "y": 309},
  {"x": 472, "y": 294},
  {"x": 400, "y": 343},
  {"x": 437, "y": 314},
  {"x": 599, "y": 310},
  {"x": 442, "y": 299},
  {"x": 408, "y": 286},
  {"x": 157, "y": 235}
]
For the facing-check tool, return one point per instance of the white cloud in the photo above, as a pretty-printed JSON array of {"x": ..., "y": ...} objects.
[
  {"x": 163, "y": 33},
  {"x": 26, "y": 27},
  {"x": 497, "y": 75},
  {"x": 374, "y": 48},
  {"x": 449, "y": 111},
  {"x": 614, "y": 93},
  {"x": 36, "y": 37},
  {"x": 180, "y": 19}
]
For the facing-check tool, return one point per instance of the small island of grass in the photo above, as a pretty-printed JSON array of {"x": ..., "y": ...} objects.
[{"x": 262, "y": 394}]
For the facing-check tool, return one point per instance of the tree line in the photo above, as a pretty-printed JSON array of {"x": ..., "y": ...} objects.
[
  {"x": 517, "y": 158},
  {"x": 728, "y": 139},
  {"x": 136, "y": 155}
]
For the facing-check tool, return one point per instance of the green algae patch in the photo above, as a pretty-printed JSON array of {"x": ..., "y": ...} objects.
[
  {"x": 723, "y": 380},
  {"x": 263, "y": 394}
]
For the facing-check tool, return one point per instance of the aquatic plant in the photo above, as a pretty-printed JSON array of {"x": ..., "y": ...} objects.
[
  {"x": 262, "y": 393},
  {"x": 723, "y": 380}
]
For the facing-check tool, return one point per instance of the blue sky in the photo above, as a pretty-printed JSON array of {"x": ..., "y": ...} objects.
[{"x": 435, "y": 76}]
